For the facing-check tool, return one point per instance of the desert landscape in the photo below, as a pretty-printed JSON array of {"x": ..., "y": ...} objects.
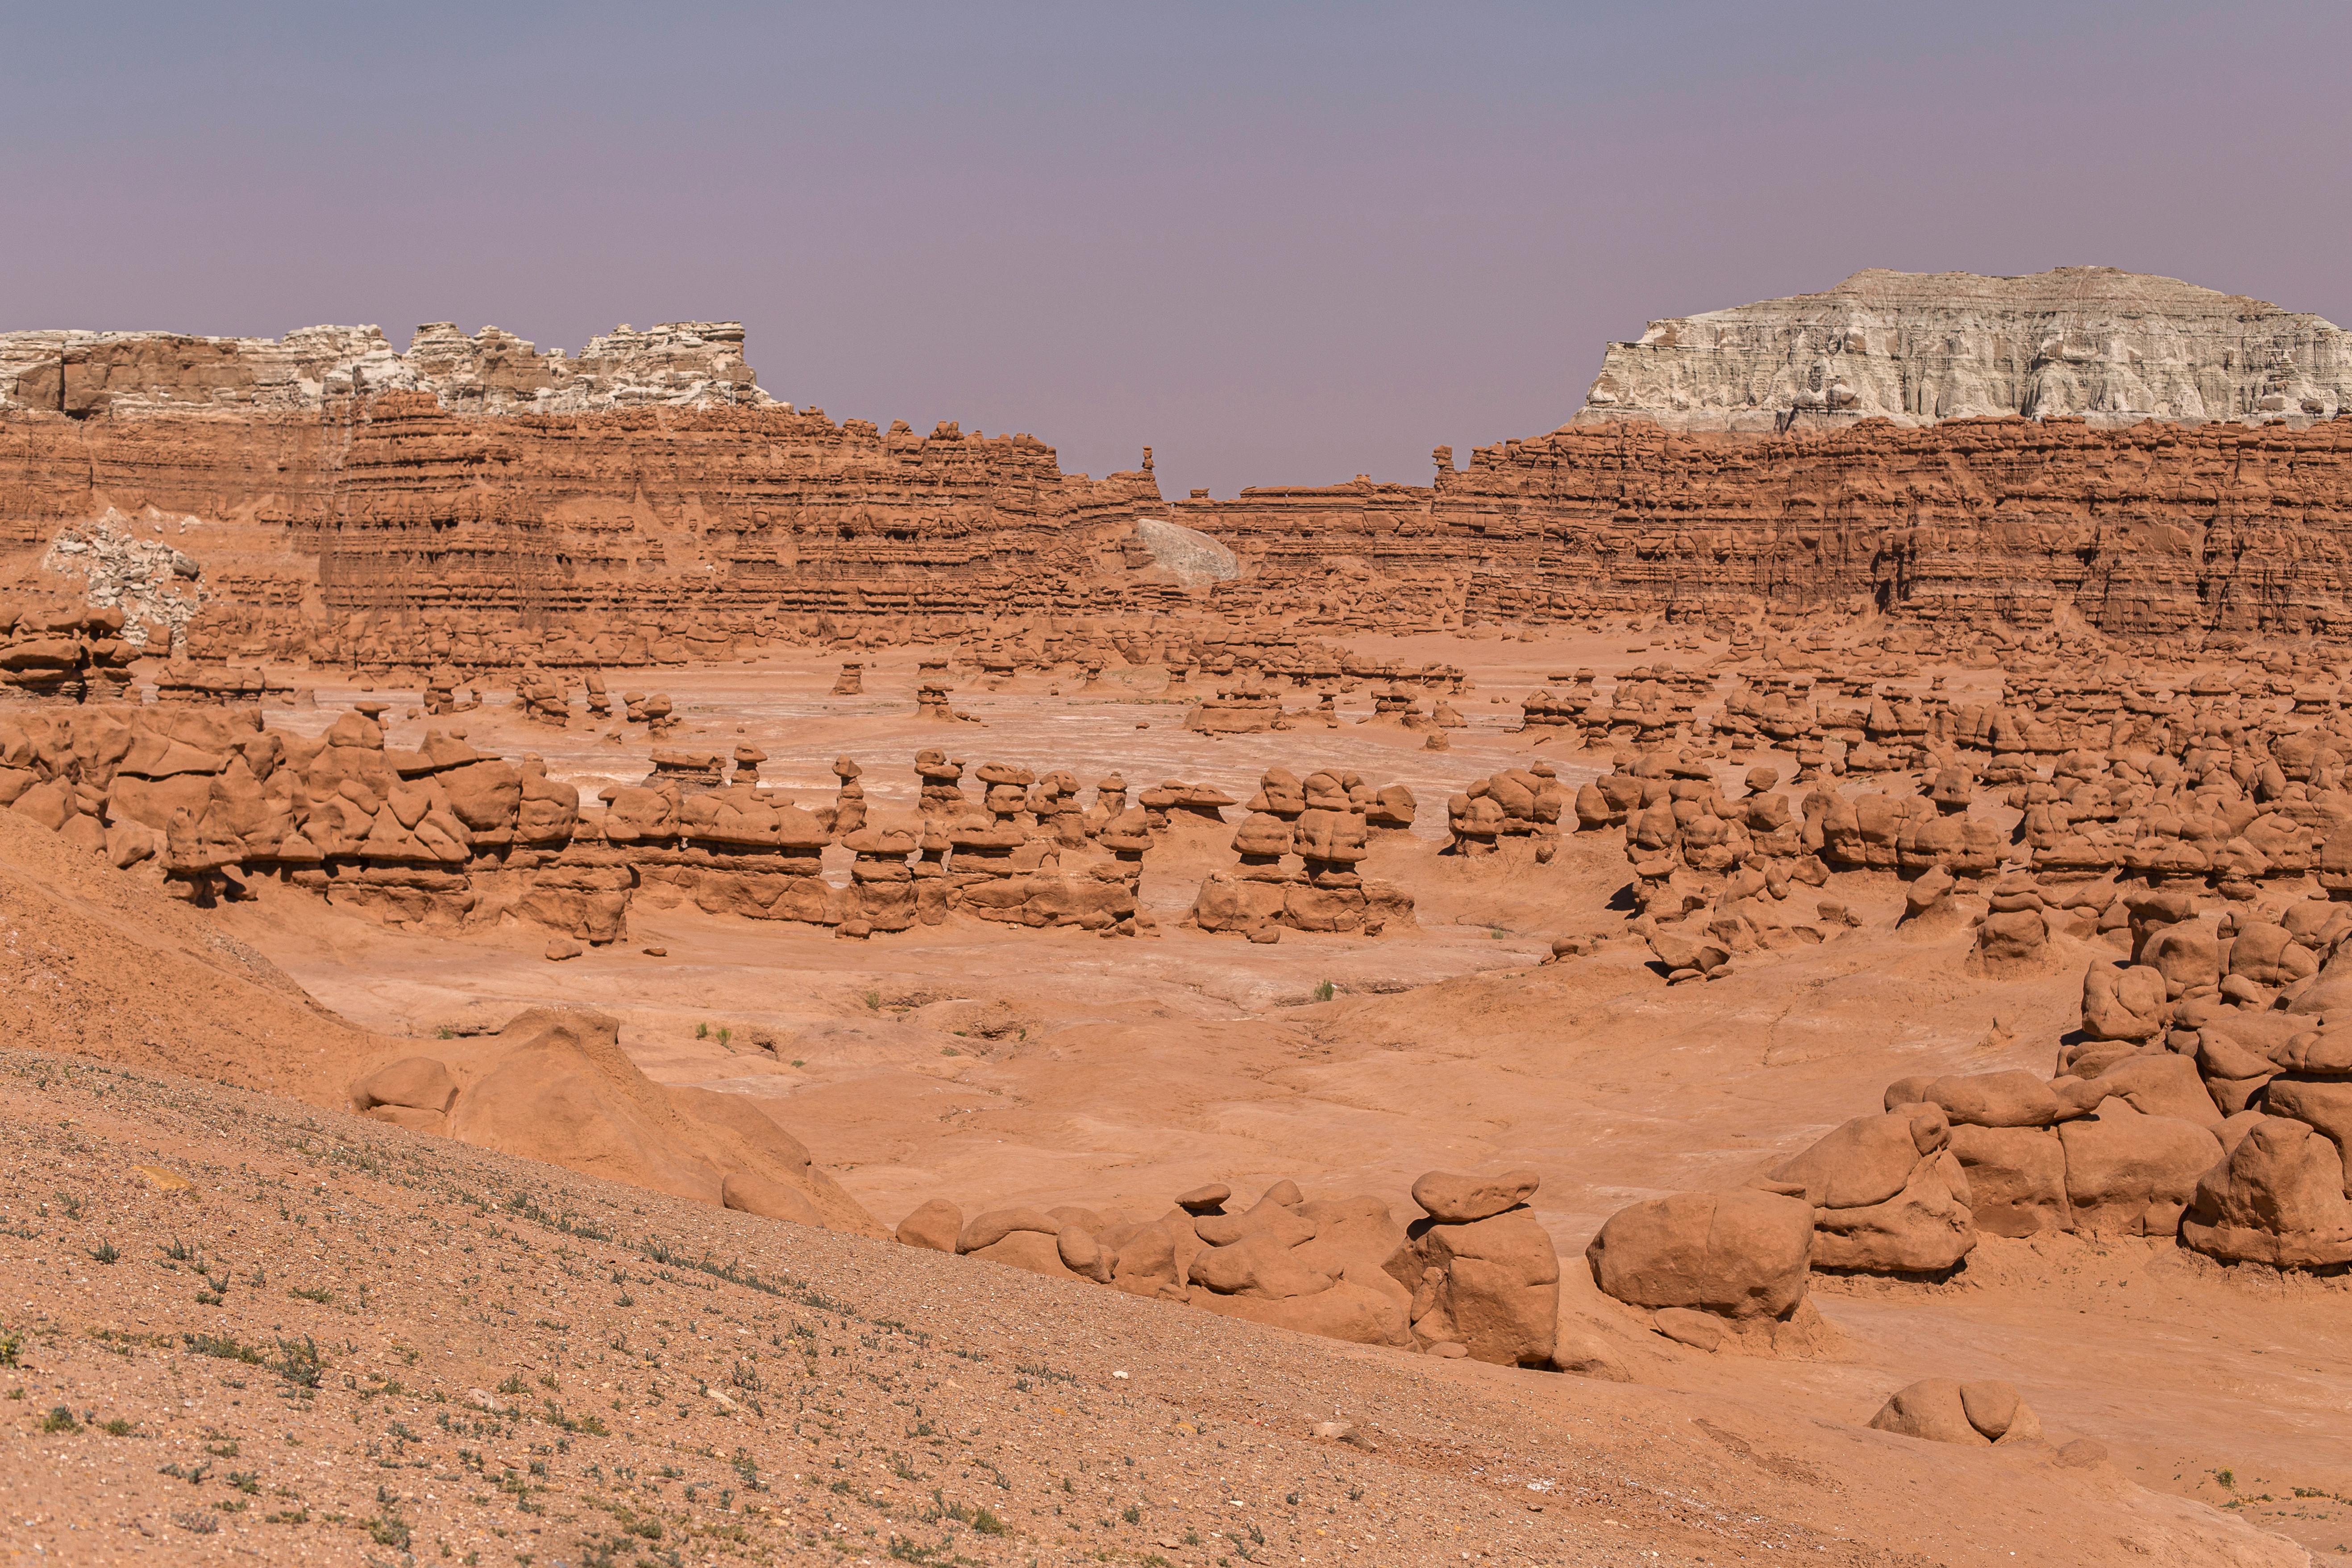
[{"x": 1752, "y": 975}]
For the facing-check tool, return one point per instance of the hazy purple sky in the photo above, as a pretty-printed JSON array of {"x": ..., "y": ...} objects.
[{"x": 1281, "y": 244}]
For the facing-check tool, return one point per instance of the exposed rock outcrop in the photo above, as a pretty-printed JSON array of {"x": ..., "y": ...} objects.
[
  {"x": 2112, "y": 346},
  {"x": 684, "y": 364}
]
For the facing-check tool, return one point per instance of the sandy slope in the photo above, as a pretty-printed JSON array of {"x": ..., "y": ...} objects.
[{"x": 664, "y": 1376}]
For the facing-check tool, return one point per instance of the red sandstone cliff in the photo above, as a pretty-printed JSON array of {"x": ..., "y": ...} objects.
[
  {"x": 397, "y": 531},
  {"x": 2153, "y": 529},
  {"x": 400, "y": 532}
]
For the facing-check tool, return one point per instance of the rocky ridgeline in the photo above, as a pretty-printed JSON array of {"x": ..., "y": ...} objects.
[
  {"x": 1325, "y": 824},
  {"x": 679, "y": 364},
  {"x": 1914, "y": 347}
]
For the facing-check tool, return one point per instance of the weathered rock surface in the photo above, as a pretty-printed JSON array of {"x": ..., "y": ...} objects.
[
  {"x": 2153, "y": 529},
  {"x": 690, "y": 364},
  {"x": 1915, "y": 348}
]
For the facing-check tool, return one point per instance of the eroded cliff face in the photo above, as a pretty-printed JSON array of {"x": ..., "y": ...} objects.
[
  {"x": 2113, "y": 347},
  {"x": 2155, "y": 529},
  {"x": 392, "y": 530},
  {"x": 680, "y": 364}
]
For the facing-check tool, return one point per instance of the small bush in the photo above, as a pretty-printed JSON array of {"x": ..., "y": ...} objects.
[{"x": 59, "y": 1419}]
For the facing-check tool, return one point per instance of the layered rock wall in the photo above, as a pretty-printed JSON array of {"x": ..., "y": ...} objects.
[
  {"x": 389, "y": 529},
  {"x": 2154, "y": 530},
  {"x": 394, "y": 531}
]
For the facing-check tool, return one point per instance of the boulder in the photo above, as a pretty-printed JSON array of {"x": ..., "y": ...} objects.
[
  {"x": 2124, "y": 1004},
  {"x": 1866, "y": 1161},
  {"x": 2013, "y": 1099},
  {"x": 2131, "y": 1173},
  {"x": 1458, "y": 1200},
  {"x": 988, "y": 1229},
  {"x": 1923, "y": 1228},
  {"x": 1737, "y": 1254},
  {"x": 1261, "y": 1264},
  {"x": 755, "y": 1194},
  {"x": 2017, "y": 1178},
  {"x": 936, "y": 1223},
  {"x": 2277, "y": 1199},
  {"x": 1977, "y": 1415},
  {"x": 2163, "y": 1084},
  {"x": 422, "y": 1082},
  {"x": 2326, "y": 1103},
  {"x": 1037, "y": 1252}
]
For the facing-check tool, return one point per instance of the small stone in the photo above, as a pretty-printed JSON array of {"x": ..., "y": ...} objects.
[
  {"x": 1206, "y": 1199},
  {"x": 1685, "y": 1326},
  {"x": 562, "y": 948},
  {"x": 655, "y": 952}
]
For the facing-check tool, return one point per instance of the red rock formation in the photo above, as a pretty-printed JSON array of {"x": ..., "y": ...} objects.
[
  {"x": 398, "y": 532},
  {"x": 2154, "y": 530},
  {"x": 394, "y": 531}
]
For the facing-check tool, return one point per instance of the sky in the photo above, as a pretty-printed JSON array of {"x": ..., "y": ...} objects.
[{"x": 1280, "y": 243}]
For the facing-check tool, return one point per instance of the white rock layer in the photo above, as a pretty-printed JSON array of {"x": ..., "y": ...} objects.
[
  {"x": 2113, "y": 347},
  {"x": 690, "y": 364}
]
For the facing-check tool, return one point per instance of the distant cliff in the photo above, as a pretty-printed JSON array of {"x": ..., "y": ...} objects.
[
  {"x": 2113, "y": 347},
  {"x": 243, "y": 499},
  {"x": 2157, "y": 529},
  {"x": 679, "y": 364}
]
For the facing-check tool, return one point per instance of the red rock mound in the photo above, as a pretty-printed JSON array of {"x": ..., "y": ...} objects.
[{"x": 555, "y": 1086}]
